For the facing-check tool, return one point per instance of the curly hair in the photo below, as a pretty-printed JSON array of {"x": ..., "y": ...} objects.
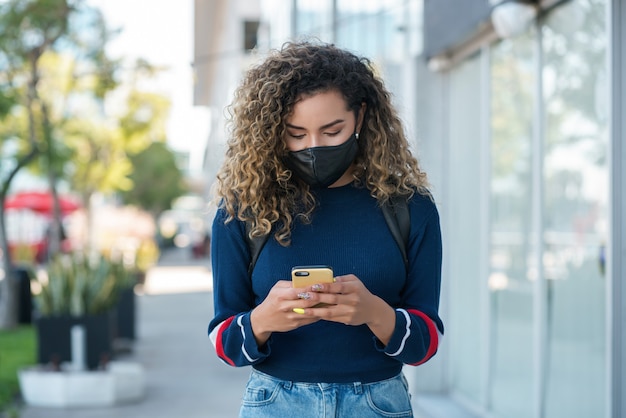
[{"x": 255, "y": 186}]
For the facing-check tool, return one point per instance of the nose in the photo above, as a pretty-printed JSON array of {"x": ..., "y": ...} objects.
[{"x": 313, "y": 140}]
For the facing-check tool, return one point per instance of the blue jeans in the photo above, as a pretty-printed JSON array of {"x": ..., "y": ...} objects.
[{"x": 269, "y": 397}]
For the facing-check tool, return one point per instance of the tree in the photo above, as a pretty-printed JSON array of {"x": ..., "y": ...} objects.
[
  {"x": 156, "y": 178},
  {"x": 28, "y": 29},
  {"x": 36, "y": 37},
  {"x": 55, "y": 78}
]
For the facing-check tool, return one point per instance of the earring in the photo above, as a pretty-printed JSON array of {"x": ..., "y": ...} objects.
[{"x": 356, "y": 134}]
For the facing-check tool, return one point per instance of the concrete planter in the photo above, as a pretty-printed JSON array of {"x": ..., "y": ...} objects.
[{"x": 121, "y": 382}]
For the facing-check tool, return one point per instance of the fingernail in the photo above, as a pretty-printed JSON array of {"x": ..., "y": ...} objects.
[
  {"x": 299, "y": 311},
  {"x": 304, "y": 295},
  {"x": 316, "y": 287}
]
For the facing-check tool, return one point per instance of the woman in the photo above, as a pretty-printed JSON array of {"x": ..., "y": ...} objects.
[{"x": 316, "y": 149}]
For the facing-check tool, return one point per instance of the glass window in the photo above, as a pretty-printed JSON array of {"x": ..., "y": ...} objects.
[
  {"x": 510, "y": 277},
  {"x": 575, "y": 212},
  {"x": 276, "y": 23},
  {"x": 376, "y": 29},
  {"x": 465, "y": 335},
  {"x": 314, "y": 18}
]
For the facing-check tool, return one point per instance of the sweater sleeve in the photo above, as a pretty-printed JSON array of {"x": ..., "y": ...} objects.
[
  {"x": 230, "y": 330},
  {"x": 418, "y": 327}
]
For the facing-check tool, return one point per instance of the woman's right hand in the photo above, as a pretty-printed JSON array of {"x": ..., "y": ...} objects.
[{"x": 276, "y": 312}]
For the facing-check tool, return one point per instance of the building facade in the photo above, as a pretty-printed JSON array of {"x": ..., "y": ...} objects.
[{"x": 517, "y": 116}]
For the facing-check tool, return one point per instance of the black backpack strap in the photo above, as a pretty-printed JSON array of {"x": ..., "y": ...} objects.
[
  {"x": 255, "y": 246},
  {"x": 396, "y": 213}
]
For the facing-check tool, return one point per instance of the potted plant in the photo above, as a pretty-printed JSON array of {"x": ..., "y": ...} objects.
[
  {"x": 125, "y": 308},
  {"x": 75, "y": 328},
  {"x": 130, "y": 272},
  {"x": 82, "y": 290}
]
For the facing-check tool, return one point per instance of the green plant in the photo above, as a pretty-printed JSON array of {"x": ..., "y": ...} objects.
[
  {"x": 124, "y": 275},
  {"x": 80, "y": 284},
  {"x": 18, "y": 350}
]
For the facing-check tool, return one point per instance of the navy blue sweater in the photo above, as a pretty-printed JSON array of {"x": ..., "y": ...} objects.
[{"x": 348, "y": 232}]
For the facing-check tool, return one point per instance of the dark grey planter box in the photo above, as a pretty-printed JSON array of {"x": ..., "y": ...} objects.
[
  {"x": 126, "y": 312},
  {"x": 54, "y": 338}
]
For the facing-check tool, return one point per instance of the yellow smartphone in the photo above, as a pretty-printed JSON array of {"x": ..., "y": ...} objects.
[{"x": 303, "y": 276}]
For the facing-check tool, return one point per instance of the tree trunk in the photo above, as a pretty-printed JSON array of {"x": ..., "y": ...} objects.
[
  {"x": 54, "y": 240},
  {"x": 8, "y": 287}
]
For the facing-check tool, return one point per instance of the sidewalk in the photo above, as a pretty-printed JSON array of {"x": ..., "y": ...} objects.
[{"x": 184, "y": 377}]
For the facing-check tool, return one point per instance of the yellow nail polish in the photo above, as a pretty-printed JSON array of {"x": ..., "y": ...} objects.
[{"x": 298, "y": 310}]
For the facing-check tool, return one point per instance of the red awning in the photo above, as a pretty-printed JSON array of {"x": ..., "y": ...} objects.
[{"x": 40, "y": 202}]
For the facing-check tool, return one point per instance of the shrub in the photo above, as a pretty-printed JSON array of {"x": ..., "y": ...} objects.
[{"x": 79, "y": 284}]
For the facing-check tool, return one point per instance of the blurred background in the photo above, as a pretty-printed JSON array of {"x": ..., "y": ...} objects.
[{"x": 112, "y": 115}]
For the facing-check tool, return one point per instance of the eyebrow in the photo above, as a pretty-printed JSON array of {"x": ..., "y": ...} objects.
[{"x": 328, "y": 125}]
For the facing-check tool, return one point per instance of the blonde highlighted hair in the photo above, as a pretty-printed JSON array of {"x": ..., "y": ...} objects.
[{"x": 255, "y": 186}]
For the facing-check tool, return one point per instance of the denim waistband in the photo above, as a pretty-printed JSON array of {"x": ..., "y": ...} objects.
[{"x": 356, "y": 386}]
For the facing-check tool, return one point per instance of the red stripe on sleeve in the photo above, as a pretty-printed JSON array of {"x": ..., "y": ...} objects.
[
  {"x": 219, "y": 347},
  {"x": 432, "y": 332}
]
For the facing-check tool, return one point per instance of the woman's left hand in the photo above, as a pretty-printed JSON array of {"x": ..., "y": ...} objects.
[{"x": 351, "y": 303}]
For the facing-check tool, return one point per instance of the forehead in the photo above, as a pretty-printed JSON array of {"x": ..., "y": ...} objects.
[{"x": 318, "y": 107}]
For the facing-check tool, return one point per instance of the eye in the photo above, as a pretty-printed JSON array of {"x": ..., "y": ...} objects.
[
  {"x": 296, "y": 136},
  {"x": 331, "y": 134}
]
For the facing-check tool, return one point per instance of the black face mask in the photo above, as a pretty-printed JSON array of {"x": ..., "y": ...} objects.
[{"x": 322, "y": 166}]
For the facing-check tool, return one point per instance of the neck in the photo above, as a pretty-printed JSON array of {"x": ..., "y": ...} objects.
[{"x": 346, "y": 178}]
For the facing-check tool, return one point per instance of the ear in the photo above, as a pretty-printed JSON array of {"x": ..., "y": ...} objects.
[{"x": 359, "y": 117}]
